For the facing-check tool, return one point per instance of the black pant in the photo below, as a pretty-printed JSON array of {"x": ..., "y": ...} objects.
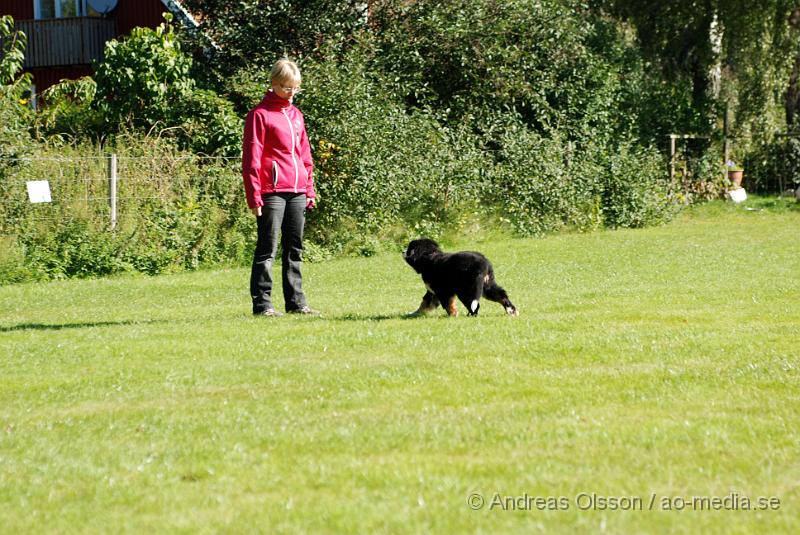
[{"x": 284, "y": 213}]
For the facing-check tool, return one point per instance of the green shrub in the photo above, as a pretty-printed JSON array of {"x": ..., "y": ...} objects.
[
  {"x": 417, "y": 128},
  {"x": 535, "y": 185},
  {"x": 143, "y": 77},
  {"x": 209, "y": 124},
  {"x": 13, "y": 266},
  {"x": 67, "y": 113},
  {"x": 773, "y": 166},
  {"x": 71, "y": 249},
  {"x": 633, "y": 190},
  {"x": 16, "y": 117},
  {"x": 378, "y": 167},
  {"x": 144, "y": 82}
]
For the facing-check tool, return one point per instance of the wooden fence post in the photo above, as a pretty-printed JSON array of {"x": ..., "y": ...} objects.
[
  {"x": 726, "y": 144},
  {"x": 112, "y": 188},
  {"x": 671, "y": 157}
]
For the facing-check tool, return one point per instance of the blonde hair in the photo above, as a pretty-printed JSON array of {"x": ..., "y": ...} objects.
[{"x": 285, "y": 70}]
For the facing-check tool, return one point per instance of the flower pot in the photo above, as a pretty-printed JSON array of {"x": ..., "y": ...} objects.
[{"x": 736, "y": 178}]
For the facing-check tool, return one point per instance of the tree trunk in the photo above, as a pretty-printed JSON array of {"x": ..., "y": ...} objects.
[{"x": 792, "y": 102}]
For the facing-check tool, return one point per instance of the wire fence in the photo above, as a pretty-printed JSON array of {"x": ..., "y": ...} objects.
[{"x": 91, "y": 188}]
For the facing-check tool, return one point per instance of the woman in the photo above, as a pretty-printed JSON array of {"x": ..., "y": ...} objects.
[{"x": 277, "y": 172}]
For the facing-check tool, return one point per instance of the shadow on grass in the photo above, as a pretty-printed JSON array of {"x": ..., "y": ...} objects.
[
  {"x": 62, "y": 326},
  {"x": 371, "y": 317}
]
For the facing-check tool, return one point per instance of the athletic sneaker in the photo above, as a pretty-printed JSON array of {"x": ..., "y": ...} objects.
[
  {"x": 304, "y": 310},
  {"x": 270, "y": 312}
]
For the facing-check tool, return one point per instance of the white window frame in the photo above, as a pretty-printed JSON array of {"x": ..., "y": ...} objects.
[{"x": 80, "y": 9}]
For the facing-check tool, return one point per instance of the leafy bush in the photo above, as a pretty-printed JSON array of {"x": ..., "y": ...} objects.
[
  {"x": 441, "y": 117},
  {"x": 67, "y": 111},
  {"x": 632, "y": 189},
  {"x": 15, "y": 113},
  {"x": 144, "y": 81},
  {"x": 551, "y": 65},
  {"x": 534, "y": 184},
  {"x": 209, "y": 124},
  {"x": 379, "y": 170},
  {"x": 71, "y": 249},
  {"x": 774, "y": 165},
  {"x": 385, "y": 173},
  {"x": 252, "y": 35},
  {"x": 12, "y": 50},
  {"x": 143, "y": 78}
]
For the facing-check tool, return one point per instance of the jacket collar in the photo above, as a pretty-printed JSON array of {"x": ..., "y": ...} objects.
[{"x": 274, "y": 102}]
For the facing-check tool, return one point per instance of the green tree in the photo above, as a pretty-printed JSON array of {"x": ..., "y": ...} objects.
[
  {"x": 15, "y": 112},
  {"x": 145, "y": 82},
  {"x": 734, "y": 53},
  {"x": 552, "y": 65},
  {"x": 254, "y": 33},
  {"x": 12, "y": 50},
  {"x": 143, "y": 79}
]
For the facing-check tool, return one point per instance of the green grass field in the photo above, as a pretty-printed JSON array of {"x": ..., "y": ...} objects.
[{"x": 654, "y": 365}]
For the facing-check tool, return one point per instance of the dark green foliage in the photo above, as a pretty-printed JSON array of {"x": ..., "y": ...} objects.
[
  {"x": 385, "y": 171},
  {"x": 252, "y": 34},
  {"x": 631, "y": 191},
  {"x": 70, "y": 249},
  {"x": 378, "y": 168},
  {"x": 718, "y": 55},
  {"x": 774, "y": 166},
  {"x": 68, "y": 112},
  {"x": 15, "y": 114},
  {"x": 12, "y": 50},
  {"x": 144, "y": 82},
  {"x": 16, "y": 119},
  {"x": 143, "y": 78},
  {"x": 209, "y": 124},
  {"x": 427, "y": 118},
  {"x": 485, "y": 58}
]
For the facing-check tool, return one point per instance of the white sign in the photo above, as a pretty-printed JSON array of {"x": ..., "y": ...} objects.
[{"x": 39, "y": 191}]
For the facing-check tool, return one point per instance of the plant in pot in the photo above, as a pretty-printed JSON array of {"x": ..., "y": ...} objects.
[{"x": 735, "y": 173}]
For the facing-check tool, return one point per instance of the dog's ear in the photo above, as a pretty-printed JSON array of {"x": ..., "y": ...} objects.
[
  {"x": 428, "y": 245},
  {"x": 411, "y": 251}
]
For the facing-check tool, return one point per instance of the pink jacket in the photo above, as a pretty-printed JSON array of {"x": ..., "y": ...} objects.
[{"x": 276, "y": 156}]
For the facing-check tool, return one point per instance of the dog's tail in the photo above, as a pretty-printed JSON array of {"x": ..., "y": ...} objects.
[{"x": 494, "y": 292}]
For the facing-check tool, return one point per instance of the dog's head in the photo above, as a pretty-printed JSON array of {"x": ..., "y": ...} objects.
[{"x": 420, "y": 252}]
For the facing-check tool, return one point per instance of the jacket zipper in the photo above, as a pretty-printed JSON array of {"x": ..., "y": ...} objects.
[
  {"x": 275, "y": 175},
  {"x": 294, "y": 161}
]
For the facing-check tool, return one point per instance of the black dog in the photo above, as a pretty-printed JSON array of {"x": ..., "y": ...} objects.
[{"x": 466, "y": 275}]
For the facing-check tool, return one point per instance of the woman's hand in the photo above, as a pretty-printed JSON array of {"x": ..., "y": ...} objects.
[{"x": 256, "y": 211}]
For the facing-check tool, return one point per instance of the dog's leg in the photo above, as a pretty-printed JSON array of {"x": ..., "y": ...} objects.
[
  {"x": 495, "y": 293},
  {"x": 471, "y": 296},
  {"x": 429, "y": 304},
  {"x": 450, "y": 306}
]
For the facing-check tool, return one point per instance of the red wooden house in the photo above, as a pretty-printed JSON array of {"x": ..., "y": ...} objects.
[{"x": 65, "y": 36}]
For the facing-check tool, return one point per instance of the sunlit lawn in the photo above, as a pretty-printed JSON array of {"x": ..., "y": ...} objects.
[{"x": 658, "y": 364}]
